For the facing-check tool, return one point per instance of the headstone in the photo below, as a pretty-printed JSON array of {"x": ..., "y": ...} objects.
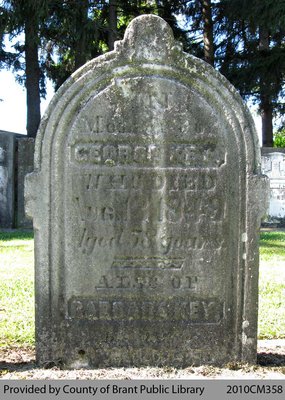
[
  {"x": 7, "y": 151},
  {"x": 273, "y": 165},
  {"x": 25, "y": 164},
  {"x": 146, "y": 208}
]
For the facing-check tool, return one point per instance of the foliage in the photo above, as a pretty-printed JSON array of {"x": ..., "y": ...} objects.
[
  {"x": 244, "y": 40},
  {"x": 73, "y": 34},
  {"x": 253, "y": 55},
  {"x": 63, "y": 30},
  {"x": 13, "y": 14},
  {"x": 248, "y": 46},
  {"x": 279, "y": 138}
]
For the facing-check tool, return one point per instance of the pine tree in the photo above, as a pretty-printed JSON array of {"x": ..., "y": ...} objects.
[
  {"x": 208, "y": 34},
  {"x": 25, "y": 16},
  {"x": 253, "y": 54}
]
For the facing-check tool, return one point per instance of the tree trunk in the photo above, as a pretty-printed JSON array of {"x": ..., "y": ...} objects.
[
  {"x": 266, "y": 119},
  {"x": 112, "y": 34},
  {"x": 266, "y": 108},
  {"x": 81, "y": 56},
  {"x": 32, "y": 76},
  {"x": 208, "y": 36}
]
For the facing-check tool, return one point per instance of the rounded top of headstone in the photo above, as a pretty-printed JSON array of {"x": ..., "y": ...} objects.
[{"x": 148, "y": 37}]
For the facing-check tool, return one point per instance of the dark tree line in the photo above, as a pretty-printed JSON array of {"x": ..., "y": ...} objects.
[{"x": 243, "y": 39}]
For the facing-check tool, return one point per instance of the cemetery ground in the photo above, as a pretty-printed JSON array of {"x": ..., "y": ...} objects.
[{"x": 17, "y": 356}]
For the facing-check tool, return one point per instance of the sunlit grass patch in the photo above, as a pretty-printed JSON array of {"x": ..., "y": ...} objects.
[
  {"x": 271, "y": 323},
  {"x": 16, "y": 288},
  {"x": 272, "y": 244}
]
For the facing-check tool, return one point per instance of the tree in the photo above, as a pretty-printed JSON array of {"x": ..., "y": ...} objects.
[
  {"x": 96, "y": 29},
  {"x": 244, "y": 40},
  {"x": 112, "y": 36},
  {"x": 208, "y": 36},
  {"x": 70, "y": 32},
  {"x": 204, "y": 28},
  {"x": 75, "y": 32},
  {"x": 81, "y": 11},
  {"x": 266, "y": 106},
  {"x": 25, "y": 16},
  {"x": 32, "y": 69},
  {"x": 253, "y": 56}
]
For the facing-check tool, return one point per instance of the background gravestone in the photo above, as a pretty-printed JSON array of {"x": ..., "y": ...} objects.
[
  {"x": 273, "y": 165},
  {"x": 7, "y": 193},
  {"x": 25, "y": 165},
  {"x": 146, "y": 207}
]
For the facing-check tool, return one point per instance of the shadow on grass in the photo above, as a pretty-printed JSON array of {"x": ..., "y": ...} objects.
[
  {"x": 8, "y": 367},
  {"x": 14, "y": 234},
  {"x": 280, "y": 236},
  {"x": 17, "y": 359},
  {"x": 272, "y": 245},
  {"x": 271, "y": 360}
]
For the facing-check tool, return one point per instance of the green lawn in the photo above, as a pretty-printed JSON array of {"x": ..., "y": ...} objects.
[
  {"x": 16, "y": 289},
  {"x": 272, "y": 286},
  {"x": 17, "y": 292}
]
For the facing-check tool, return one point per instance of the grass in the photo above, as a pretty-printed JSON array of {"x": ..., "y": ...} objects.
[
  {"x": 271, "y": 323},
  {"x": 17, "y": 291}
]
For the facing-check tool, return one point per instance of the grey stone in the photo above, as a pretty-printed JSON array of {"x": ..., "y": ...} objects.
[
  {"x": 146, "y": 202},
  {"x": 7, "y": 192},
  {"x": 25, "y": 164},
  {"x": 273, "y": 165}
]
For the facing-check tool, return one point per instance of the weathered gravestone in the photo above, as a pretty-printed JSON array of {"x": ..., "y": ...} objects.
[
  {"x": 273, "y": 165},
  {"x": 7, "y": 190},
  {"x": 146, "y": 208},
  {"x": 25, "y": 164}
]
